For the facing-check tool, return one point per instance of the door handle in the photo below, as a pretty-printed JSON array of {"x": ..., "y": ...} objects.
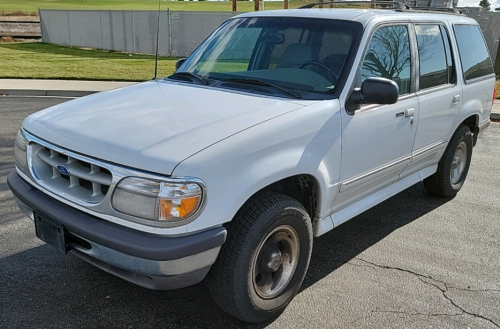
[
  {"x": 456, "y": 99},
  {"x": 409, "y": 112}
]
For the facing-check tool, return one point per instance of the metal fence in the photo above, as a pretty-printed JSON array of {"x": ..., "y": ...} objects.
[
  {"x": 130, "y": 31},
  {"x": 180, "y": 31}
]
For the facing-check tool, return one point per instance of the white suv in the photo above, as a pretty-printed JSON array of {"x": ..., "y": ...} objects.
[{"x": 279, "y": 127}]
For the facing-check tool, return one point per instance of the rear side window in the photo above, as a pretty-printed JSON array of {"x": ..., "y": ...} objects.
[
  {"x": 434, "y": 57},
  {"x": 474, "y": 55}
]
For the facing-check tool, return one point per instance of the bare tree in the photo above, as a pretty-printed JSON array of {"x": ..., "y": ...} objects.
[{"x": 389, "y": 53}]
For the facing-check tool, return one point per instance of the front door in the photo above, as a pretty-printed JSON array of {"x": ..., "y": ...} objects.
[{"x": 377, "y": 140}]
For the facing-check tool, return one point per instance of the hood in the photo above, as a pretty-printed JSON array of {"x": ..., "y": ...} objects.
[{"x": 153, "y": 125}]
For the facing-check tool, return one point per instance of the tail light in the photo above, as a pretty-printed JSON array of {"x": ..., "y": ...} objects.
[{"x": 494, "y": 96}]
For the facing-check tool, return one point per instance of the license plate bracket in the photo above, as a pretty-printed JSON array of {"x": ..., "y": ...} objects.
[{"x": 51, "y": 232}]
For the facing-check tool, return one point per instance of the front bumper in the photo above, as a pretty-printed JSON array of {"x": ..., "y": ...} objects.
[{"x": 151, "y": 261}]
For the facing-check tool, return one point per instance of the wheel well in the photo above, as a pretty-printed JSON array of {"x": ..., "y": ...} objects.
[
  {"x": 473, "y": 124},
  {"x": 302, "y": 188}
]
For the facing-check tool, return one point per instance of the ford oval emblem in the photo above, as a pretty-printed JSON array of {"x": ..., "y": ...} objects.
[{"x": 63, "y": 169}]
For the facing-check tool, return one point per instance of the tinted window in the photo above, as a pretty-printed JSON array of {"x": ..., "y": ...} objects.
[
  {"x": 474, "y": 55},
  {"x": 432, "y": 56},
  {"x": 292, "y": 35},
  {"x": 237, "y": 52},
  {"x": 303, "y": 55},
  {"x": 388, "y": 56}
]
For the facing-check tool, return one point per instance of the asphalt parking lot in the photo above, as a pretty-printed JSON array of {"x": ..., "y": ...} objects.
[{"x": 414, "y": 261}]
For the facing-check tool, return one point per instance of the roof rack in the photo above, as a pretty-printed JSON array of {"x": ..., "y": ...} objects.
[
  {"x": 440, "y": 9},
  {"x": 384, "y": 4},
  {"x": 394, "y": 5}
]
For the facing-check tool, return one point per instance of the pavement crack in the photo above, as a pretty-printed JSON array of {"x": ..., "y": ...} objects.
[
  {"x": 438, "y": 284},
  {"x": 474, "y": 290},
  {"x": 417, "y": 314},
  {"x": 469, "y": 313}
]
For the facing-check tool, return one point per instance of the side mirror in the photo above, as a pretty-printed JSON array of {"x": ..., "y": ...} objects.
[
  {"x": 179, "y": 63},
  {"x": 373, "y": 91}
]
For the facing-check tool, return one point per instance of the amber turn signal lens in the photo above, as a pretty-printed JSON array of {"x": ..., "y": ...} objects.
[
  {"x": 180, "y": 208},
  {"x": 188, "y": 206}
]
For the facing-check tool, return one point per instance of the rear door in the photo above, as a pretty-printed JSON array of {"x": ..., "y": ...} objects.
[{"x": 440, "y": 96}]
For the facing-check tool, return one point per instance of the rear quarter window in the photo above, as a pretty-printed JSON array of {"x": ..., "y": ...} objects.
[{"x": 474, "y": 55}]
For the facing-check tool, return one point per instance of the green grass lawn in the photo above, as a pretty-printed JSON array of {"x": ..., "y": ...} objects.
[
  {"x": 45, "y": 61},
  {"x": 31, "y": 6}
]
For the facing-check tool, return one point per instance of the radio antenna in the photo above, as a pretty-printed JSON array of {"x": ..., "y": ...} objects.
[{"x": 157, "y": 38}]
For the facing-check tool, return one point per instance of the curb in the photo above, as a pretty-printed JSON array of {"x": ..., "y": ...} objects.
[{"x": 35, "y": 92}]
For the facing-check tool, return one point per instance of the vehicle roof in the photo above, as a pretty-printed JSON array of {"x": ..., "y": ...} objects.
[{"x": 364, "y": 16}]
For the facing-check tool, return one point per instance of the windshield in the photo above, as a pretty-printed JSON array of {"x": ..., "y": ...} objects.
[{"x": 287, "y": 56}]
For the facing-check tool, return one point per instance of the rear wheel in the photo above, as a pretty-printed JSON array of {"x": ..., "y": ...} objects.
[
  {"x": 453, "y": 166},
  {"x": 264, "y": 260}
]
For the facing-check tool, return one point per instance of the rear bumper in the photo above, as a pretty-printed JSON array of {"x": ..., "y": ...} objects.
[
  {"x": 151, "y": 261},
  {"x": 480, "y": 129}
]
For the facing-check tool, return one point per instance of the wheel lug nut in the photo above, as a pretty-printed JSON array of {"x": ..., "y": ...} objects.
[{"x": 271, "y": 259}]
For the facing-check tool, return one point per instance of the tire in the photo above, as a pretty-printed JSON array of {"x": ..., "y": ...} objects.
[
  {"x": 453, "y": 166},
  {"x": 252, "y": 279}
]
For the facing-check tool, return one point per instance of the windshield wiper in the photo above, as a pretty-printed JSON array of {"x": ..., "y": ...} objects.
[
  {"x": 191, "y": 76},
  {"x": 259, "y": 82}
]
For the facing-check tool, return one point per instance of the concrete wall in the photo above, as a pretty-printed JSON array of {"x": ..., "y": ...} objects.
[{"x": 130, "y": 31}]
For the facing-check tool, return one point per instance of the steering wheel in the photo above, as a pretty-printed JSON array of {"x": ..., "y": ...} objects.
[{"x": 323, "y": 66}]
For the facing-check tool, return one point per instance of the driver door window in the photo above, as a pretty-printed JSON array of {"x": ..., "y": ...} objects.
[{"x": 388, "y": 56}]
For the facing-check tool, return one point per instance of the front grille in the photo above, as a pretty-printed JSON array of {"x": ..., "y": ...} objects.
[{"x": 69, "y": 175}]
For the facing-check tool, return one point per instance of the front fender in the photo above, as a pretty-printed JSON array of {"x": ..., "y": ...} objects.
[{"x": 305, "y": 141}]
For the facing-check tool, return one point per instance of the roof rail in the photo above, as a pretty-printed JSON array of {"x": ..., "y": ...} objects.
[
  {"x": 384, "y": 4},
  {"x": 394, "y": 5},
  {"x": 439, "y": 9}
]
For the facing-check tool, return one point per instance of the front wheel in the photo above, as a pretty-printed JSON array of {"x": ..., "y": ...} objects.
[
  {"x": 261, "y": 266},
  {"x": 453, "y": 166}
]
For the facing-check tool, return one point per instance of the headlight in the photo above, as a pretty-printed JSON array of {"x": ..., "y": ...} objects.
[
  {"x": 20, "y": 150},
  {"x": 159, "y": 201}
]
